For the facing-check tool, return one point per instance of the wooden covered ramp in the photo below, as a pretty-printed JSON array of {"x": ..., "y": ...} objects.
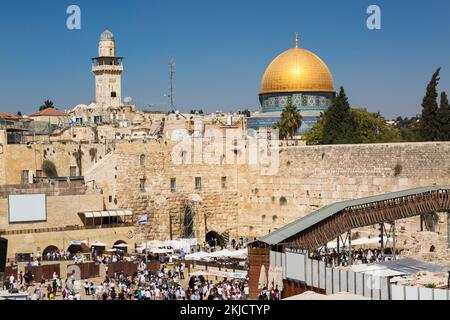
[{"x": 330, "y": 222}]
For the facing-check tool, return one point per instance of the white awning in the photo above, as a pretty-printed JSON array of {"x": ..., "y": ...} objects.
[
  {"x": 108, "y": 213},
  {"x": 98, "y": 244}
]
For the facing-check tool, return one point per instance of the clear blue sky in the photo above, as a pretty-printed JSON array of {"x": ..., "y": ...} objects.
[{"x": 221, "y": 49}]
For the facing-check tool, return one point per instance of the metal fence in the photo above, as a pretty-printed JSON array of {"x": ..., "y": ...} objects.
[
  {"x": 399, "y": 292},
  {"x": 315, "y": 274},
  {"x": 299, "y": 267}
]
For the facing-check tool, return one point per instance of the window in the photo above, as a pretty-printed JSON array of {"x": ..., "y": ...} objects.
[
  {"x": 25, "y": 177},
  {"x": 142, "y": 185},
  {"x": 73, "y": 171},
  {"x": 38, "y": 173},
  {"x": 283, "y": 201},
  {"x": 113, "y": 94},
  {"x": 224, "y": 182},
  {"x": 183, "y": 157},
  {"x": 110, "y": 199},
  {"x": 142, "y": 160},
  {"x": 198, "y": 183},
  {"x": 173, "y": 185}
]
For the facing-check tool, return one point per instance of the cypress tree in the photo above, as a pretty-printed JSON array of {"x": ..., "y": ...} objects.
[
  {"x": 444, "y": 118},
  {"x": 429, "y": 123},
  {"x": 339, "y": 125}
]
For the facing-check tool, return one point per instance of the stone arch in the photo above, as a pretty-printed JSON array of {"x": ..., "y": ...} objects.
[
  {"x": 214, "y": 238},
  {"x": 118, "y": 243},
  {"x": 74, "y": 249},
  {"x": 49, "y": 249}
]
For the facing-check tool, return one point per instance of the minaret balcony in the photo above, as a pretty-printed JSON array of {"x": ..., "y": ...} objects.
[{"x": 113, "y": 68}]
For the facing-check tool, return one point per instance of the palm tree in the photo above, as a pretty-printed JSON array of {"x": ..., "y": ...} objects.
[
  {"x": 47, "y": 105},
  {"x": 290, "y": 122}
]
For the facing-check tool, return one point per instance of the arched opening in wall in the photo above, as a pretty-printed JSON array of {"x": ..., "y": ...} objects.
[
  {"x": 74, "y": 249},
  {"x": 121, "y": 246},
  {"x": 283, "y": 201},
  {"x": 47, "y": 254},
  {"x": 142, "y": 160},
  {"x": 214, "y": 239}
]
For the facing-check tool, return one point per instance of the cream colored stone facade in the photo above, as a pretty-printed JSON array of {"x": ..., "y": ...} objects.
[
  {"x": 63, "y": 224},
  {"x": 136, "y": 175}
]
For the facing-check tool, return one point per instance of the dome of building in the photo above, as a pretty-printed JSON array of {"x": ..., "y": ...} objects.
[
  {"x": 297, "y": 70},
  {"x": 107, "y": 36}
]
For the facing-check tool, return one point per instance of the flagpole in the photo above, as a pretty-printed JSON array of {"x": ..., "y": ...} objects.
[{"x": 146, "y": 244}]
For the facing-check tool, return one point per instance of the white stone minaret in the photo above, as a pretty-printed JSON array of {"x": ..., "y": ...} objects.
[{"x": 107, "y": 68}]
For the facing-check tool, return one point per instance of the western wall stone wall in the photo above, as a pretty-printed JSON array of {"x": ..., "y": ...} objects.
[
  {"x": 314, "y": 176},
  {"x": 253, "y": 204}
]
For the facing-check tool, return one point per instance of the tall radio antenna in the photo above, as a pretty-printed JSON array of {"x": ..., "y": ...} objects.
[{"x": 172, "y": 83}]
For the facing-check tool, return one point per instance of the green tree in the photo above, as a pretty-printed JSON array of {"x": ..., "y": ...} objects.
[
  {"x": 369, "y": 128},
  {"x": 290, "y": 122},
  {"x": 47, "y": 105},
  {"x": 315, "y": 135},
  {"x": 444, "y": 118},
  {"x": 429, "y": 123},
  {"x": 339, "y": 127},
  {"x": 408, "y": 128},
  {"x": 372, "y": 128}
]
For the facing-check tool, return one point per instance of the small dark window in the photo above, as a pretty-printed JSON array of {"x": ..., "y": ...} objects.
[
  {"x": 142, "y": 185},
  {"x": 142, "y": 160},
  {"x": 283, "y": 201},
  {"x": 173, "y": 185},
  {"x": 110, "y": 199},
  {"x": 224, "y": 182},
  {"x": 113, "y": 94},
  {"x": 198, "y": 183}
]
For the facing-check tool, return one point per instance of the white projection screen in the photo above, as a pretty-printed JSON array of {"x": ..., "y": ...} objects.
[{"x": 27, "y": 208}]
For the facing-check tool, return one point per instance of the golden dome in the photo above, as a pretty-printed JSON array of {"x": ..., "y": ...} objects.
[{"x": 297, "y": 70}]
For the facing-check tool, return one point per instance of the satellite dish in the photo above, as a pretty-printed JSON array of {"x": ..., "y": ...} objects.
[{"x": 128, "y": 99}]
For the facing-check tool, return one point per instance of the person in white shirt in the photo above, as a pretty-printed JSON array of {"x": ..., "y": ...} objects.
[{"x": 77, "y": 296}]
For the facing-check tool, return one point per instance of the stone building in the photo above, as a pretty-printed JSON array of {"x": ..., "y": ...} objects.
[{"x": 108, "y": 107}]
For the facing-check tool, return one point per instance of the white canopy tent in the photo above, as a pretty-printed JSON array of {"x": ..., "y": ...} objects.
[
  {"x": 181, "y": 244},
  {"x": 121, "y": 245},
  {"x": 98, "y": 244},
  {"x": 359, "y": 242},
  {"x": 236, "y": 254}
]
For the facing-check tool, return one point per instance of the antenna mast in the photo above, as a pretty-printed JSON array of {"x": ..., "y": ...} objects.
[{"x": 172, "y": 83}]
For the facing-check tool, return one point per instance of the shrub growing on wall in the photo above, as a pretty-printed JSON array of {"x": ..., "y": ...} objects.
[{"x": 49, "y": 169}]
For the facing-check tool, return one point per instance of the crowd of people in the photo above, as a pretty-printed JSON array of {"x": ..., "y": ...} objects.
[
  {"x": 165, "y": 284},
  {"x": 266, "y": 294},
  {"x": 168, "y": 283},
  {"x": 360, "y": 256},
  {"x": 56, "y": 255}
]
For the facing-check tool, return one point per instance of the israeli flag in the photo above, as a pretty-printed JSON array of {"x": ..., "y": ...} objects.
[{"x": 142, "y": 220}]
